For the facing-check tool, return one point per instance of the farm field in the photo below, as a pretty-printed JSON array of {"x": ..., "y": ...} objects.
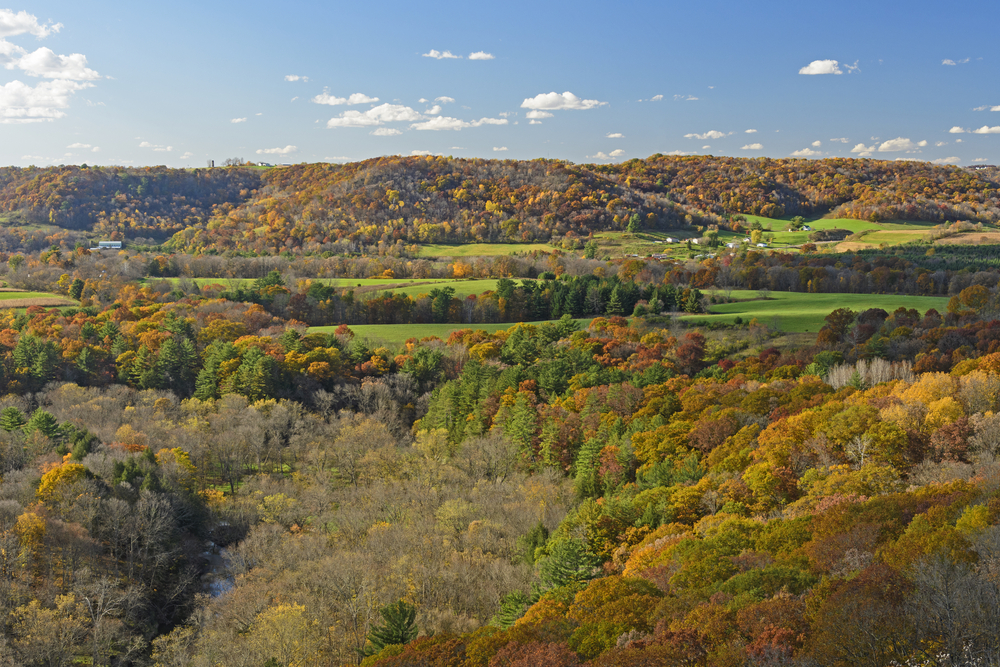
[
  {"x": 801, "y": 312},
  {"x": 397, "y": 334},
  {"x": 346, "y": 282},
  {"x": 17, "y": 299},
  {"x": 463, "y": 286},
  {"x": 480, "y": 249},
  {"x": 907, "y": 230}
]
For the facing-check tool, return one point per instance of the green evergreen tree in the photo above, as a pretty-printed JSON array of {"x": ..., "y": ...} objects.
[
  {"x": 590, "y": 250},
  {"x": 11, "y": 419},
  {"x": 633, "y": 224},
  {"x": 398, "y": 627},
  {"x": 253, "y": 378},
  {"x": 44, "y": 421},
  {"x": 110, "y": 329},
  {"x": 530, "y": 542},
  {"x": 85, "y": 361},
  {"x": 512, "y": 607},
  {"x": 614, "y": 306},
  {"x": 568, "y": 561},
  {"x": 76, "y": 289}
]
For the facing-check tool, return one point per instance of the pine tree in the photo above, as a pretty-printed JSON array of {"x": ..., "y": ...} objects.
[
  {"x": 512, "y": 607},
  {"x": 11, "y": 419},
  {"x": 76, "y": 289},
  {"x": 399, "y": 627},
  {"x": 615, "y": 303},
  {"x": 44, "y": 421},
  {"x": 568, "y": 561}
]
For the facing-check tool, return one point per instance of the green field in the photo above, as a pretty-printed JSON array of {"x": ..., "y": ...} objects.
[
  {"x": 480, "y": 249},
  {"x": 346, "y": 282},
  {"x": 463, "y": 287},
  {"x": 396, "y": 334},
  {"x": 799, "y": 312},
  {"x": 5, "y": 296}
]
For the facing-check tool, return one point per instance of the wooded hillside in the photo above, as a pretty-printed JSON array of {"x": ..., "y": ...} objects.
[{"x": 404, "y": 200}]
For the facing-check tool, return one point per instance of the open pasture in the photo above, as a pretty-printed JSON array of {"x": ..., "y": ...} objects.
[
  {"x": 397, "y": 334},
  {"x": 480, "y": 249},
  {"x": 17, "y": 299},
  {"x": 801, "y": 312}
]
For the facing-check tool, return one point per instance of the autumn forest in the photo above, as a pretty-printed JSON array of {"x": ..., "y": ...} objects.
[{"x": 215, "y": 452}]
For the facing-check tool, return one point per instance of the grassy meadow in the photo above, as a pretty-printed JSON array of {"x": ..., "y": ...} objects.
[
  {"x": 397, "y": 334},
  {"x": 804, "y": 312}
]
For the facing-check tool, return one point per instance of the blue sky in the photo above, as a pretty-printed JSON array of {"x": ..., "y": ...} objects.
[{"x": 183, "y": 82}]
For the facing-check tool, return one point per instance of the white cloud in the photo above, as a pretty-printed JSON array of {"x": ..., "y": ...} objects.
[
  {"x": 555, "y": 101},
  {"x": 385, "y": 132},
  {"x": 353, "y": 119},
  {"x": 947, "y": 160},
  {"x": 985, "y": 129},
  {"x": 444, "y": 99},
  {"x": 949, "y": 61},
  {"x": 900, "y": 144},
  {"x": 996, "y": 108},
  {"x": 821, "y": 67},
  {"x": 686, "y": 98},
  {"x": 277, "y": 151},
  {"x": 939, "y": 144},
  {"x": 23, "y": 22},
  {"x": 534, "y": 122},
  {"x": 536, "y": 114},
  {"x": 842, "y": 140},
  {"x": 434, "y": 110},
  {"x": 187, "y": 155},
  {"x": 805, "y": 152},
  {"x": 979, "y": 159},
  {"x": 749, "y": 131},
  {"x": 615, "y": 135},
  {"x": 383, "y": 113},
  {"x": 711, "y": 134},
  {"x": 618, "y": 152},
  {"x": 156, "y": 147},
  {"x": 601, "y": 155},
  {"x": 958, "y": 141},
  {"x": 448, "y": 123},
  {"x": 679, "y": 153},
  {"x": 296, "y": 77},
  {"x": 337, "y": 159},
  {"x": 957, "y": 130},
  {"x": 817, "y": 143},
  {"x": 45, "y": 63},
  {"x": 481, "y": 55},
  {"x": 21, "y": 103},
  {"x": 656, "y": 98},
  {"x": 499, "y": 149},
  {"x": 354, "y": 98},
  {"x": 753, "y": 147},
  {"x": 93, "y": 149},
  {"x": 423, "y": 153},
  {"x": 705, "y": 148},
  {"x": 238, "y": 120},
  {"x": 438, "y": 55},
  {"x": 422, "y": 100}
]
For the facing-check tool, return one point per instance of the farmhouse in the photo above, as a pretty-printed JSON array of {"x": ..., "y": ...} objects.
[{"x": 108, "y": 245}]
